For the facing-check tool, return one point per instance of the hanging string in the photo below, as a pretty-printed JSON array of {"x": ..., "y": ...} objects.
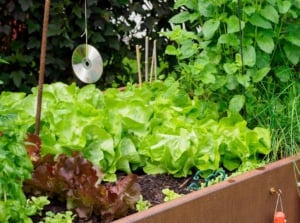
[
  {"x": 278, "y": 202},
  {"x": 85, "y": 27},
  {"x": 279, "y": 216}
]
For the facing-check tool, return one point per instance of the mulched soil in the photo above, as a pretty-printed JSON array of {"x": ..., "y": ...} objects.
[{"x": 151, "y": 189}]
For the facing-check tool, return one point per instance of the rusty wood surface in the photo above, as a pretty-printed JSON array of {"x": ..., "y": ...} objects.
[{"x": 242, "y": 199}]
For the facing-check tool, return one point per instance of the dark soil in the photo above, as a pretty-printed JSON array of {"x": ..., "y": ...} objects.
[{"x": 151, "y": 189}]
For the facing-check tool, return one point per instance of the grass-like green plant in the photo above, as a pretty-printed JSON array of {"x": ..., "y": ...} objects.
[{"x": 279, "y": 108}]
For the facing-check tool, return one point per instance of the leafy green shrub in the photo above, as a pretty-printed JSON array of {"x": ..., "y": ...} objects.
[
  {"x": 230, "y": 47},
  {"x": 15, "y": 167},
  {"x": 245, "y": 56}
]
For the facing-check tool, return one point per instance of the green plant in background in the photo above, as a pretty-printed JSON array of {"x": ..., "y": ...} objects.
[
  {"x": 226, "y": 45},
  {"x": 248, "y": 51}
]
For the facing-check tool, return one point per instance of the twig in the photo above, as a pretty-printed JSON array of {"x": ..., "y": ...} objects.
[{"x": 185, "y": 183}]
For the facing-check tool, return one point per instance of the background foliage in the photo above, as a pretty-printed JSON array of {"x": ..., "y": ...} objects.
[
  {"x": 111, "y": 30},
  {"x": 245, "y": 55}
]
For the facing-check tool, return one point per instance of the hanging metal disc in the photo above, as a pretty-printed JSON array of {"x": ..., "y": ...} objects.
[{"x": 87, "y": 63}]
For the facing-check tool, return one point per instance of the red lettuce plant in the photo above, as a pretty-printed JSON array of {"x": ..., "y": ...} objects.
[{"x": 76, "y": 180}]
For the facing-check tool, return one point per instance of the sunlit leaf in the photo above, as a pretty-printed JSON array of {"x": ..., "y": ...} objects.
[
  {"x": 259, "y": 21},
  {"x": 210, "y": 27},
  {"x": 265, "y": 43},
  {"x": 270, "y": 13},
  {"x": 233, "y": 24},
  {"x": 249, "y": 56},
  {"x": 260, "y": 74},
  {"x": 237, "y": 103}
]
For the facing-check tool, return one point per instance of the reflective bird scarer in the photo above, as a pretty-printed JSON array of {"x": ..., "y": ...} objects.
[{"x": 87, "y": 63}]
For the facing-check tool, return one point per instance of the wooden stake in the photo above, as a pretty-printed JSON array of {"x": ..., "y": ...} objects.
[
  {"x": 137, "y": 49},
  {"x": 146, "y": 57},
  {"x": 42, "y": 67},
  {"x": 155, "y": 60},
  {"x": 152, "y": 63}
]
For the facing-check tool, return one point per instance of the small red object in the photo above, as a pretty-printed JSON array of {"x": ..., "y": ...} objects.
[{"x": 279, "y": 217}]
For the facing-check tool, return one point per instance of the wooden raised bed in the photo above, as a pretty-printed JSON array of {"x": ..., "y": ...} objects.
[{"x": 246, "y": 198}]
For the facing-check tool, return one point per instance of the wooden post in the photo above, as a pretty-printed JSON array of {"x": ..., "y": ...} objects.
[{"x": 42, "y": 67}]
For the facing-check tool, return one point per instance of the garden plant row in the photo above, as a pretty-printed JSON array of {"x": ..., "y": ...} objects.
[{"x": 88, "y": 135}]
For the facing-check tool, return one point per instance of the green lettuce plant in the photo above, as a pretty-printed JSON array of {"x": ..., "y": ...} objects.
[{"x": 157, "y": 127}]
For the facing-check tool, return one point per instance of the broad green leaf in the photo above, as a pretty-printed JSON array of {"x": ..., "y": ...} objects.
[
  {"x": 207, "y": 9},
  {"x": 231, "y": 162},
  {"x": 128, "y": 155},
  {"x": 292, "y": 53},
  {"x": 232, "y": 82},
  {"x": 210, "y": 27},
  {"x": 259, "y": 21},
  {"x": 230, "y": 68},
  {"x": 171, "y": 50},
  {"x": 270, "y": 13},
  {"x": 207, "y": 76},
  {"x": 260, "y": 74},
  {"x": 229, "y": 39},
  {"x": 284, "y": 6},
  {"x": 237, "y": 103},
  {"x": 249, "y": 9},
  {"x": 294, "y": 39},
  {"x": 181, "y": 17},
  {"x": 264, "y": 138},
  {"x": 265, "y": 43},
  {"x": 284, "y": 73},
  {"x": 244, "y": 80},
  {"x": 249, "y": 56},
  {"x": 188, "y": 3},
  {"x": 188, "y": 49},
  {"x": 233, "y": 24}
]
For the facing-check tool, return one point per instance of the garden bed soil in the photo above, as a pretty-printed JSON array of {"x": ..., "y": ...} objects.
[{"x": 151, "y": 190}]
